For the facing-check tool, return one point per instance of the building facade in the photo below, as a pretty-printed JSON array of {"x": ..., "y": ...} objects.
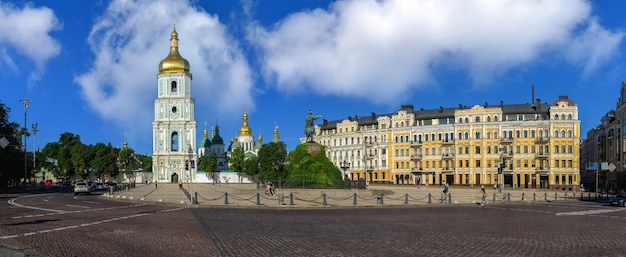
[
  {"x": 605, "y": 143},
  {"x": 174, "y": 125},
  {"x": 513, "y": 145}
]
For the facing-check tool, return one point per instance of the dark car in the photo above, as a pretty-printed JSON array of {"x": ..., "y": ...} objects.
[
  {"x": 110, "y": 186},
  {"x": 619, "y": 200}
]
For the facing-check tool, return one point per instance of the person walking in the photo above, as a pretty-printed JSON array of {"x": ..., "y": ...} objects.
[
  {"x": 483, "y": 196},
  {"x": 180, "y": 185},
  {"x": 156, "y": 184}
]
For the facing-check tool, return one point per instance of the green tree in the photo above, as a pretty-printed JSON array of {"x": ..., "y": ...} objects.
[
  {"x": 11, "y": 156},
  {"x": 312, "y": 167},
  {"x": 237, "y": 159},
  {"x": 272, "y": 160},
  {"x": 251, "y": 167}
]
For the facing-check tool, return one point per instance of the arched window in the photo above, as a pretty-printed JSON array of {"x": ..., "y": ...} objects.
[
  {"x": 562, "y": 116},
  {"x": 174, "y": 88},
  {"x": 407, "y": 138},
  {"x": 488, "y": 134},
  {"x": 488, "y": 118},
  {"x": 466, "y": 120},
  {"x": 460, "y": 135},
  {"x": 569, "y": 116},
  {"x": 460, "y": 120},
  {"x": 477, "y": 135},
  {"x": 570, "y": 134},
  {"x": 556, "y": 132},
  {"x": 495, "y": 134},
  {"x": 556, "y": 116},
  {"x": 174, "y": 139},
  {"x": 563, "y": 133},
  {"x": 495, "y": 118},
  {"x": 466, "y": 135}
]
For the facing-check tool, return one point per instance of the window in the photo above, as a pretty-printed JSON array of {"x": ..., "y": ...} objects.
[
  {"x": 477, "y": 118},
  {"x": 478, "y": 150},
  {"x": 488, "y": 118},
  {"x": 477, "y": 163},
  {"x": 174, "y": 138},
  {"x": 477, "y": 135},
  {"x": 174, "y": 88},
  {"x": 460, "y": 120}
]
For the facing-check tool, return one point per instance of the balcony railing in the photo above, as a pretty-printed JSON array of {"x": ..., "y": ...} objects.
[
  {"x": 416, "y": 143},
  {"x": 542, "y": 155},
  {"x": 542, "y": 140},
  {"x": 447, "y": 156},
  {"x": 416, "y": 157},
  {"x": 506, "y": 140},
  {"x": 447, "y": 142}
]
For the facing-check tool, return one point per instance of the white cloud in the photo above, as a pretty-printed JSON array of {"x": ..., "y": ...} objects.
[
  {"x": 25, "y": 32},
  {"x": 380, "y": 50},
  {"x": 132, "y": 37}
]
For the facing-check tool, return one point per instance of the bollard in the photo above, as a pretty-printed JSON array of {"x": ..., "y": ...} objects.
[
  {"x": 258, "y": 199},
  {"x": 324, "y": 199},
  {"x": 406, "y": 198},
  {"x": 195, "y": 198},
  {"x": 281, "y": 201},
  {"x": 290, "y": 198},
  {"x": 494, "y": 198},
  {"x": 430, "y": 200},
  {"x": 545, "y": 196},
  {"x": 522, "y": 196},
  {"x": 534, "y": 197},
  {"x": 226, "y": 198},
  {"x": 449, "y": 198},
  {"x": 555, "y": 196},
  {"x": 508, "y": 197},
  {"x": 354, "y": 201},
  {"x": 379, "y": 199}
]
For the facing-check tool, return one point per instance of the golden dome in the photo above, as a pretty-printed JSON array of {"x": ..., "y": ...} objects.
[
  {"x": 173, "y": 63},
  {"x": 245, "y": 129}
]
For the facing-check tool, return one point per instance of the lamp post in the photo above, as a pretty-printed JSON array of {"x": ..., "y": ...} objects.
[
  {"x": 191, "y": 165},
  {"x": 345, "y": 166},
  {"x": 25, "y": 101},
  {"x": 35, "y": 130}
]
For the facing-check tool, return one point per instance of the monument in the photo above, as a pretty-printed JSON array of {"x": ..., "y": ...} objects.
[{"x": 309, "y": 131}]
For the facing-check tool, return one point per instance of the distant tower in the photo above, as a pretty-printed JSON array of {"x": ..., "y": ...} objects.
[{"x": 174, "y": 125}]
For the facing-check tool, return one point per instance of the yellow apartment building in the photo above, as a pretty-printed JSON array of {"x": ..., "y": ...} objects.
[{"x": 532, "y": 145}]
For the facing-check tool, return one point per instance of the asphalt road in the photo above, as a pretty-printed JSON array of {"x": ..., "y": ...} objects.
[{"x": 60, "y": 224}]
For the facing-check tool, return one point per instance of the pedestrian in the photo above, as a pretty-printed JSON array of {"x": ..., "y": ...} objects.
[
  {"x": 180, "y": 185},
  {"x": 483, "y": 196},
  {"x": 156, "y": 184},
  {"x": 418, "y": 182}
]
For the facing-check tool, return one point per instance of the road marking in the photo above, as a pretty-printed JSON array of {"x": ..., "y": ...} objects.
[
  {"x": 588, "y": 212},
  {"x": 13, "y": 203},
  {"x": 77, "y": 206},
  {"x": 87, "y": 224}
]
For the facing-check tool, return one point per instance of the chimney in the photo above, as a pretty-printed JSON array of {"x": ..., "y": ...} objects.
[
  {"x": 373, "y": 116},
  {"x": 440, "y": 109},
  {"x": 501, "y": 104},
  {"x": 325, "y": 122}
]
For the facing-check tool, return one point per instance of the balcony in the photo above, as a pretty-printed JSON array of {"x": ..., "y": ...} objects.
[
  {"x": 506, "y": 154},
  {"x": 546, "y": 168},
  {"x": 447, "y": 142},
  {"x": 447, "y": 156},
  {"x": 542, "y": 155},
  {"x": 415, "y": 157},
  {"x": 416, "y": 143},
  {"x": 506, "y": 140},
  {"x": 542, "y": 140}
]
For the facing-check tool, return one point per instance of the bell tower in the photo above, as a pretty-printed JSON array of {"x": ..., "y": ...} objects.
[{"x": 174, "y": 125}]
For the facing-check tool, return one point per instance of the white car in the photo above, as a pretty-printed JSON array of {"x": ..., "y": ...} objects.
[{"x": 81, "y": 187}]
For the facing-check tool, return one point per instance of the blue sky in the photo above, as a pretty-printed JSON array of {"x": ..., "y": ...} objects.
[{"x": 90, "y": 66}]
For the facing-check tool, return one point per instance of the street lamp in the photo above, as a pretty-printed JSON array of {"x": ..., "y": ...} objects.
[
  {"x": 35, "y": 130},
  {"x": 345, "y": 166},
  {"x": 25, "y": 101},
  {"x": 191, "y": 166}
]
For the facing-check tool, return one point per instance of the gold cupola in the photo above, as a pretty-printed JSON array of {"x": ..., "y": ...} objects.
[
  {"x": 245, "y": 129},
  {"x": 173, "y": 63}
]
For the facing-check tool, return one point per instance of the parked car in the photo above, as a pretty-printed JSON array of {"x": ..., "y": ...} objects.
[
  {"x": 81, "y": 187},
  {"x": 48, "y": 182},
  {"x": 619, "y": 200},
  {"x": 97, "y": 186}
]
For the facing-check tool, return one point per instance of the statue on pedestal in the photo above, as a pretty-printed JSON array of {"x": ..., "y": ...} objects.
[{"x": 309, "y": 127}]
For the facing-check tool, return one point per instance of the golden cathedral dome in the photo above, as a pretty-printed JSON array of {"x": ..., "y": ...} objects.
[
  {"x": 173, "y": 63},
  {"x": 245, "y": 129}
]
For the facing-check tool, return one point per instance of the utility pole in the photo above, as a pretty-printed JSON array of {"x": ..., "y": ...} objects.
[{"x": 35, "y": 130}]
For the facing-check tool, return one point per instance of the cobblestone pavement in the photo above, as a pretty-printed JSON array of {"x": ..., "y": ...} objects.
[{"x": 60, "y": 224}]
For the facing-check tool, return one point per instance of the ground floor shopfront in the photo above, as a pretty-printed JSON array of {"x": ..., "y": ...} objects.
[{"x": 566, "y": 180}]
